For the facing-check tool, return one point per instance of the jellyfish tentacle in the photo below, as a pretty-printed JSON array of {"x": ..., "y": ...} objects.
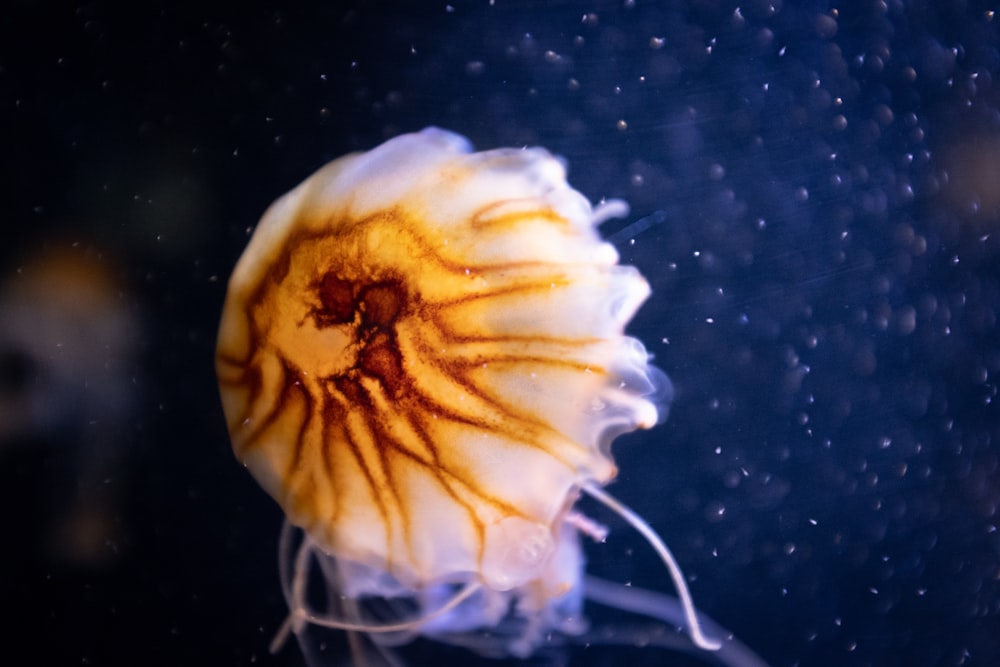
[
  {"x": 666, "y": 608},
  {"x": 655, "y": 541},
  {"x": 463, "y": 594},
  {"x": 608, "y": 209},
  {"x": 295, "y": 578}
]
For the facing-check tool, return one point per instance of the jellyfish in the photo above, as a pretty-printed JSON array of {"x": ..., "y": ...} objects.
[{"x": 422, "y": 359}]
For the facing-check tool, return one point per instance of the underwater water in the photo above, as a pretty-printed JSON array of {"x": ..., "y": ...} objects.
[{"x": 816, "y": 190}]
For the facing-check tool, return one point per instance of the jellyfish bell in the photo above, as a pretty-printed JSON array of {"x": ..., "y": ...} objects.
[{"x": 421, "y": 358}]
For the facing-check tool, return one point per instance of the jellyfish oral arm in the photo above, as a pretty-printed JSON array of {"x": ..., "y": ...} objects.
[{"x": 676, "y": 575}]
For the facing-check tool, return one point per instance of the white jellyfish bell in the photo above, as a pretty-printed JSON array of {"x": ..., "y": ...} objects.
[{"x": 422, "y": 359}]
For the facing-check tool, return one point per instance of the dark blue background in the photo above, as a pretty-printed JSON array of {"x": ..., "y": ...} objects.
[{"x": 825, "y": 292}]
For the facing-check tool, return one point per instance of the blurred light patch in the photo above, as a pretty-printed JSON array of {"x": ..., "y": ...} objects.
[
  {"x": 68, "y": 351},
  {"x": 973, "y": 186}
]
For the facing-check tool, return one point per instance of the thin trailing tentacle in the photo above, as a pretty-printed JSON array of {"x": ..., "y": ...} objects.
[
  {"x": 295, "y": 577},
  {"x": 676, "y": 575}
]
